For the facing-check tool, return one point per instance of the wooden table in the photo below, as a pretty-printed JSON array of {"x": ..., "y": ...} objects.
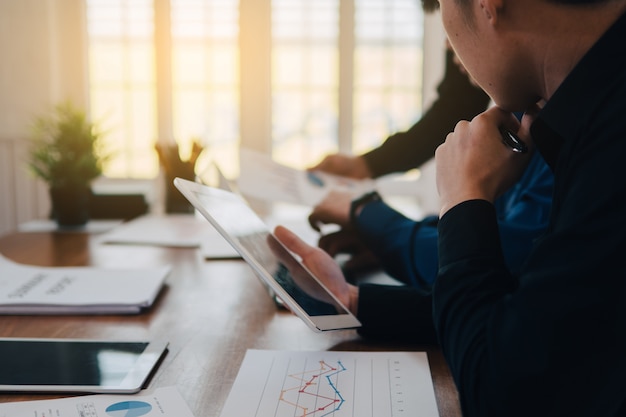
[{"x": 211, "y": 312}]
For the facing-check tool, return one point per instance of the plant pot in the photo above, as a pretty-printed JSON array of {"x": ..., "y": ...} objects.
[
  {"x": 70, "y": 206},
  {"x": 175, "y": 202}
]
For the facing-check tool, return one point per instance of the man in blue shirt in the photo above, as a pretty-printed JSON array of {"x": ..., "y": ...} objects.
[{"x": 407, "y": 249}]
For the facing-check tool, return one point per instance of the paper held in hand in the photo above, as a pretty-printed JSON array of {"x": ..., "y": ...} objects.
[
  {"x": 263, "y": 178},
  {"x": 26, "y": 289}
]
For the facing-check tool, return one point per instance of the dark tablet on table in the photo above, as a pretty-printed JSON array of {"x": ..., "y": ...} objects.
[{"x": 77, "y": 365}]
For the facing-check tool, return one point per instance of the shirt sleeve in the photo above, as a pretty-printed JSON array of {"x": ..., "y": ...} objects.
[
  {"x": 513, "y": 343},
  {"x": 385, "y": 310},
  {"x": 458, "y": 99},
  {"x": 472, "y": 274},
  {"x": 408, "y": 251}
]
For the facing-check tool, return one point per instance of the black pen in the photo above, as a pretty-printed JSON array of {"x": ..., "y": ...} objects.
[{"x": 513, "y": 141}]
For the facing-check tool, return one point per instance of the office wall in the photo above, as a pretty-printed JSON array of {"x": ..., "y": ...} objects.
[{"x": 43, "y": 56}]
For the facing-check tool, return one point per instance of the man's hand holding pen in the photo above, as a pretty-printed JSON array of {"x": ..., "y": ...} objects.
[{"x": 478, "y": 162}]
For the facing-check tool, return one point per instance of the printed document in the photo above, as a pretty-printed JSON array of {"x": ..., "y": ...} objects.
[
  {"x": 338, "y": 384},
  {"x": 162, "y": 402},
  {"x": 262, "y": 177},
  {"x": 26, "y": 289}
]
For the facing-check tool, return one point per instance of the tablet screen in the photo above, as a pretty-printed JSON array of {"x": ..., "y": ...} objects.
[
  {"x": 290, "y": 274},
  {"x": 275, "y": 265},
  {"x": 76, "y": 365}
]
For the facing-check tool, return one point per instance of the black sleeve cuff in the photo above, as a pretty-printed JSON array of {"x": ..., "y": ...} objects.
[
  {"x": 396, "y": 313},
  {"x": 468, "y": 230}
]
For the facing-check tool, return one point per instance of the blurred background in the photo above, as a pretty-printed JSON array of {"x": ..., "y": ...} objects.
[{"x": 296, "y": 79}]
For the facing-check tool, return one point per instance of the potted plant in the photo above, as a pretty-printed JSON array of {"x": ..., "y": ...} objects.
[{"x": 67, "y": 154}]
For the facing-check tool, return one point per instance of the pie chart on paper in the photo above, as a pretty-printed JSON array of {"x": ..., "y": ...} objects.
[{"x": 129, "y": 409}]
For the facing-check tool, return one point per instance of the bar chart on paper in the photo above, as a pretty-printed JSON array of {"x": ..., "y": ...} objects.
[{"x": 338, "y": 384}]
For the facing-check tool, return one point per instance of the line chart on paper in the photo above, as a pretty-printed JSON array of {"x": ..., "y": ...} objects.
[{"x": 273, "y": 383}]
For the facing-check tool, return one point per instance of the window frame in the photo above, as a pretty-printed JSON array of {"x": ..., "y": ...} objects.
[{"x": 255, "y": 72}]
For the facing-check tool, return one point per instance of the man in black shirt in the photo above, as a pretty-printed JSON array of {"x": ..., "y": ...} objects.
[
  {"x": 457, "y": 98},
  {"x": 551, "y": 341}
]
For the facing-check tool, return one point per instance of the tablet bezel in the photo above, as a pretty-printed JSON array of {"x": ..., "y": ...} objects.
[
  {"x": 136, "y": 376},
  {"x": 317, "y": 323}
]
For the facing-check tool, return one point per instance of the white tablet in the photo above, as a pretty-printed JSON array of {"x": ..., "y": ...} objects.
[
  {"x": 77, "y": 365},
  {"x": 291, "y": 281}
]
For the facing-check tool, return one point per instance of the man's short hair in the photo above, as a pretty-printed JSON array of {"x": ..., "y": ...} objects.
[{"x": 430, "y": 5}]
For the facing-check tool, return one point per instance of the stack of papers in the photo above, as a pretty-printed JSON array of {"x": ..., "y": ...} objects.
[{"x": 26, "y": 289}]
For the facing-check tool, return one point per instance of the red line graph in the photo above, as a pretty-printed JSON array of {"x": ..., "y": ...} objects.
[{"x": 315, "y": 392}]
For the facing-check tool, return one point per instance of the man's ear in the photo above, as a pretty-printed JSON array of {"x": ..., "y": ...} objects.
[{"x": 491, "y": 9}]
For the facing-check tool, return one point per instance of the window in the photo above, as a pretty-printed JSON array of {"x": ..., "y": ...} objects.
[
  {"x": 205, "y": 74},
  {"x": 123, "y": 84},
  {"x": 387, "y": 70},
  {"x": 305, "y": 79},
  {"x": 343, "y": 75}
]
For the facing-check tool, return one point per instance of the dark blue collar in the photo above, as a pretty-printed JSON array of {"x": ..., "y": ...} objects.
[{"x": 573, "y": 104}]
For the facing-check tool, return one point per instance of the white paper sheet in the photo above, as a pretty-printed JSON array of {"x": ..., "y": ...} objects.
[
  {"x": 26, "y": 289},
  {"x": 173, "y": 230},
  {"x": 341, "y": 384},
  {"x": 92, "y": 226},
  {"x": 162, "y": 402},
  {"x": 263, "y": 178}
]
